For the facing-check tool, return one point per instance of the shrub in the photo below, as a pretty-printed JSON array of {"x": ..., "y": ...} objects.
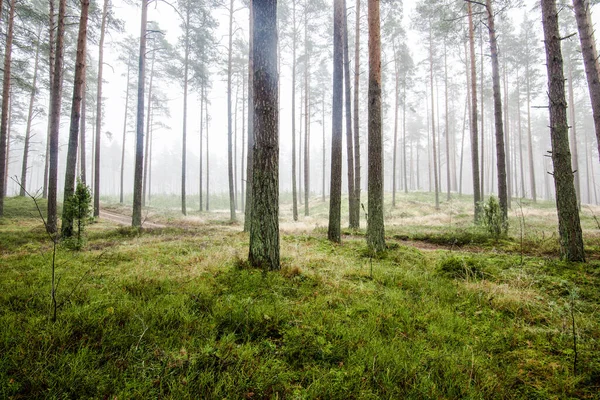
[
  {"x": 492, "y": 218},
  {"x": 460, "y": 268},
  {"x": 78, "y": 207}
]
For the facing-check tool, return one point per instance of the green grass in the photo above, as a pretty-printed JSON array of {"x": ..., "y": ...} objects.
[{"x": 176, "y": 313}]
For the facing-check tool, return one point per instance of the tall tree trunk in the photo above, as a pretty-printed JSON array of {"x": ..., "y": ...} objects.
[
  {"x": 264, "y": 228},
  {"x": 474, "y": 114},
  {"x": 349, "y": 147},
  {"x": 148, "y": 128},
  {"x": 510, "y": 171},
  {"x": 30, "y": 118},
  {"x": 396, "y": 106},
  {"x": 235, "y": 131},
  {"x": 185, "y": 100},
  {"x": 242, "y": 180},
  {"x": 200, "y": 200},
  {"x": 569, "y": 227},
  {"x": 447, "y": 124},
  {"x": 324, "y": 145},
  {"x": 433, "y": 142},
  {"x": 500, "y": 150},
  {"x": 573, "y": 121},
  {"x": 4, "y": 129},
  {"x": 294, "y": 190},
  {"x": 82, "y": 121},
  {"x": 51, "y": 60},
  {"x": 356, "y": 117},
  {"x": 55, "y": 103},
  {"x": 404, "y": 84},
  {"x": 99, "y": 110},
  {"x": 590, "y": 58},
  {"x": 300, "y": 200},
  {"x": 250, "y": 151},
  {"x": 136, "y": 219},
  {"x": 375, "y": 228},
  {"x": 71, "y": 170},
  {"x": 306, "y": 115},
  {"x": 232, "y": 216},
  {"x": 335, "y": 190},
  {"x": 520, "y": 128},
  {"x": 529, "y": 136},
  {"x": 207, "y": 157},
  {"x": 124, "y": 134}
]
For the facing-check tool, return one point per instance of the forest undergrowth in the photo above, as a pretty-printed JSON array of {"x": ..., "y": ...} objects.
[{"x": 446, "y": 312}]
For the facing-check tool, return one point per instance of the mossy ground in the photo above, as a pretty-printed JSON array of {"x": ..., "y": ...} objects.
[{"x": 447, "y": 312}]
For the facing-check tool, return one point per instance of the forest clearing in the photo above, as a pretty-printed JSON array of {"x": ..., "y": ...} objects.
[{"x": 176, "y": 312}]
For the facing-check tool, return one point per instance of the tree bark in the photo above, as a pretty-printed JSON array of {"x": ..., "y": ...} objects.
[
  {"x": 200, "y": 200},
  {"x": 30, "y": 118},
  {"x": 232, "y": 216},
  {"x": 499, "y": 123},
  {"x": 99, "y": 110},
  {"x": 447, "y": 124},
  {"x": 264, "y": 228},
  {"x": 250, "y": 150},
  {"x": 335, "y": 190},
  {"x": 207, "y": 157},
  {"x": 294, "y": 189},
  {"x": 583, "y": 17},
  {"x": 349, "y": 139},
  {"x": 136, "y": 220},
  {"x": 306, "y": 115},
  {"x": 185, "y": 100},
  {"x": 145, "y": 186},
  {"x": 375, "y": 227},
  {"x": 573, "y": 121},
  {"x": 569, "y": 226},
  {"x": 51, "y": 58},
  {"x": 529, "y": 135},
  {"x": 356, "y": 117},
  {"x": 71, "y": 170},
  {"x": 82, "y": 140},
  {"x": 4, "y": 133},
  {"x": 433, "y": 141},
  {"x": 124, "y": 135},
  {"x": 474, "y": 114},
  {"x": 55, "y": 103},
  {"x": 396, "y": 106}
]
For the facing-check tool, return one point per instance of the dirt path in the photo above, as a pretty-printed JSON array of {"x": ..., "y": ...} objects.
[{"x": 126, "y": 220}]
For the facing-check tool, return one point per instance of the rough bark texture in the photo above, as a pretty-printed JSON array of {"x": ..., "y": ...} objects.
[
  {"x": 349, "y": 139},
  {"x": 569, "y": 226},
  {"x": 250, "y": 150},
  {"x": 5, "y": 100},
  {"x": 335, "y": 189},
  {"x": 99, "y": 110},
  {"x": 136, "y": 220},
  {"x": 71, "y": 170},
  {"x": 264, "y": 228},
  {"x": 124, "y": 136},
  {"x": 232, "y": 216},
  {"x": 24, "y": 166},
  {"x": 474, "y": 133},
  {"x": 375, "y": 228},
  {"x": 51, "y": 80},
  {"x": 499, "y": 123},
  {"x": 356, "y": 117},
  {"x": 55, "y": 103},
  {"x": 590, "y": 58},
  {"x": 82, "y": 141}
]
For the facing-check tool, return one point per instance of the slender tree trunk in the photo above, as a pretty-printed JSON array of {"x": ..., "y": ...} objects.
[
  {"x": 200, "y": 200},
  {"x": 396, "y": 106},
  {"x": 51, "y": 60},
  {"x": 573, "y": 121},
  {"x": 335, "y": 190},
  {"x": 433, "y": 142},
  {"x": 500, "y": 149},
  {"x": 148, "y": 157},
  {"x": 139, "y": 144},
  {"x": 264, "y": 228},
  {"x": 510, "y": 171},
  {"x": 82, "y": 121},
  {"x": 306, "y": 115},
  {"x": 55, "y": 103},
  {"x": 356, "y": 117},
  {"x": 300, "y": 199},
  {"x": 529, "y": 136},
  {"x": 447, "y": 123},
  {"x": 235, "y": 132},
  {"x": 404, "y": 84},
  {"x": 30, "y": 118},
  {"x": 8, "y": 130},
  {"x": 207, "y": 158},
  {"x": 324, "y": 144},
  {"x": 590, "y": 58},
  {"x": 349, "y": 145},
  {"x": 569, "y": 227},
  {"x": 185, "y": 100},
  {"x": 148, "y": 128},
  {"x": 294, "y": 190},
  {"x": 4, "y": 126},
  {"x": 232, "y": 216},
  {"x": 522, "y": 168},
  {"x": 124, "y": 134},
  {"x": 99, "y": 111},
  {"x": 242, "y": 180},
  {"x": 250, "y": 152},
  {"x": 375, "y": 226},
  {"x": 474, "y": 114},
  {"x": 71, "y": 170}
]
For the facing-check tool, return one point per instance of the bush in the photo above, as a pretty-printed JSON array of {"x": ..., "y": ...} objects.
[
  {"x": 460, "y": 268},
  {"x": 492, "y": 218},
  {"x": 78, "y": 208}
]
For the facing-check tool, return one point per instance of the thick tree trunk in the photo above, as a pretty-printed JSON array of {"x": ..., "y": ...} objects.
[
  {"x": 590, "y": 58},
  {"x": 99, "y": 111},
  {"x": 4, "y": 132},
  {"x": 375, "y": 227},
  {"x": 349, "y": 139},
  {"x": 124, "y": 135},
  {"x": 55, "y": 103},
  {"x": 26, "y": 145},
  {"x": 51, "y": 57},
  {"x": 474, "y": 114},
  {"x": 264, "y": 228},
  {"x": 136, "y": 219},
  {"x": 335, "y": 190},
  {"x": 71, "y": 170},
  {"x": 232, "y": 216},
  {"x": 356, "y": 117},
  {"x": 569, "y": 227},
  {"x": 250, "y": 151},
  {"x": 499, "y": 123}
]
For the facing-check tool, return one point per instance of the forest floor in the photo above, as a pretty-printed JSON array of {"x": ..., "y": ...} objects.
[{"x": 173, "y": 311}]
